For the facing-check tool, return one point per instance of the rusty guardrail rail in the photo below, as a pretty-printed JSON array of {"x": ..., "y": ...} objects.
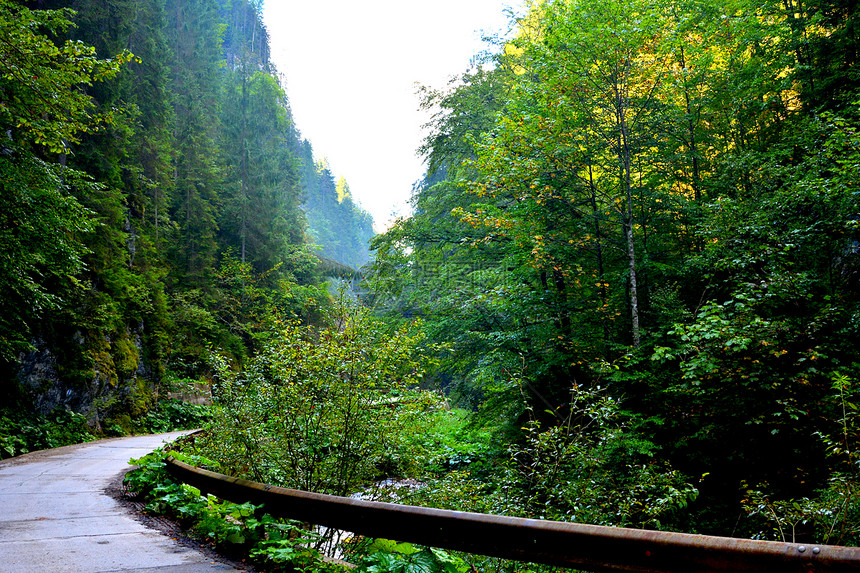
[{"x": 588, "y": 547}]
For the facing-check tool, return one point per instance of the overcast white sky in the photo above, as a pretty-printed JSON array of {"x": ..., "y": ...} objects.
[{"x": 351, "y": 67}]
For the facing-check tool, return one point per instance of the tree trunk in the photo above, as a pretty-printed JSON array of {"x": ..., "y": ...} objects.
[{"x": 624, "y": 151}]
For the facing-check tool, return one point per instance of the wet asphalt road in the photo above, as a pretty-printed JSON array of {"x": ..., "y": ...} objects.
[{"x": 56, "y": 517}]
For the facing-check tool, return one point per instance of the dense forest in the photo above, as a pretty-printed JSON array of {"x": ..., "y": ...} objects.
[
  {"x": 157, "y": 199},
  {"x": 628, "y": 292},
  {"x": 639, "y": 241}
]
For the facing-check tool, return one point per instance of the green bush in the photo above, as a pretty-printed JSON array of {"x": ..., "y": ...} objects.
[
  {"x": 384, "y": 556},
  {"x": 21, "y": 432},
  {"x": 328, "y": 410},
  {"x": 589, "y": 467},
  {"x": 170, "y": 415},
  {"x": 245, "y": 529},
  {"x": 448, "y": 442}
]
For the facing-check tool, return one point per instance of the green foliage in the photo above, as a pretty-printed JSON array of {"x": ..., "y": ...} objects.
[
  {"x": 324, "y": 410},
  {"x": 42, "y": 83},
  {"x": 289, "y": 545},
  {"x": 23, "y": 433},
  {"x": 169, "y": 415},
  {"x": 36, "y": 276},
  {"x": 610, "y": 478},
  {"x": 261, "y": 217},
  {"x": 169, "y": 182},
  {"x": 589, "y": 466},
  {"x": 845, "y": 442},
  {"x": 245, "y": 528},
  {"x": 659, "y": 200},
  {"x": 646, "y": 198},
  {"x": 461, "y": 490},
  {"x": 45, "y": 109},
  {"x": 151, "y": 471},
  {"x": 384, "y": 556},
  {"x": 449, "y": 441},
  {"x": 830, "y": 516}
]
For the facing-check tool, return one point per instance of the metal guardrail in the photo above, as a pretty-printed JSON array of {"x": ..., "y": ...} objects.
[{"x": 586, "y": 547}]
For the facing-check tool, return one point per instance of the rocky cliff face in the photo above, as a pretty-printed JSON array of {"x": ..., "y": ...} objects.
[
  {"x": 117, "y": 385},
  {"x": 39, "y": 378}
]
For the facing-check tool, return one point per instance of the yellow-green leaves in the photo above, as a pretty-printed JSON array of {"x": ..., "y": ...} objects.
[
  {"x": 43, "y": 82},
  {"x": 323, "y": 410}
]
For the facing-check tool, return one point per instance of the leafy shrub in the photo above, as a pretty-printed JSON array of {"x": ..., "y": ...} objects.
[
  {"x": 831, "y": 516},
  {"x": 235, "y": 528},
  {"x": 384, "y": 556},
  {"x": 448, "y": 442},
  {"x": 21, "y": 433},
  {"x": 590, "y": 467},
  {"x": 170, "y": 415},
  {"x": 325, "y": 411},
  {"x": 832, "y": 513}
]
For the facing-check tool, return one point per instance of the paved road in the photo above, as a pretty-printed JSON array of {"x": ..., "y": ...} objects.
[{"x": 55, "y": 516}]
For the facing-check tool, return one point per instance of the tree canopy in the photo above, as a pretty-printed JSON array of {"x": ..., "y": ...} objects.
[
  {"x": 155, "y": 198},
  {"x": 656, "y": 200}
]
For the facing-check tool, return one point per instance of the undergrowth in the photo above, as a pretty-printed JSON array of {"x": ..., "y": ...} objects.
[
  {"x": 273, "y": 544},
  {"x": 21, "y": 433},
  {"x": 171, "y": 415}
]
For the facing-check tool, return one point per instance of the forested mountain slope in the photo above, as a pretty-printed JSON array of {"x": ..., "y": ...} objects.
[
  {"x": 155, "y": 198},
  {"x": 330, "y": 210},
  {"x": 653, "y": 204}
]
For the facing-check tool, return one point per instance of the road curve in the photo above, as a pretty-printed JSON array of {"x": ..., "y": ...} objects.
[{"x": 56, "y": 517}]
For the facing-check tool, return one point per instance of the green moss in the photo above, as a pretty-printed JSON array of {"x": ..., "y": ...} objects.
[
  {"x": 119, "y": 425},
  {"x": 126, "y": 356},
  {"x": 142, "y": 397}
]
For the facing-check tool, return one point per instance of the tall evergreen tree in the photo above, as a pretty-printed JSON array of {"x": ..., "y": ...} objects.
[{"x": 196, "y": 84}]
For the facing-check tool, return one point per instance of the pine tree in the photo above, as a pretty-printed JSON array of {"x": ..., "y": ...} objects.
[{"x": 195, "y": 82}]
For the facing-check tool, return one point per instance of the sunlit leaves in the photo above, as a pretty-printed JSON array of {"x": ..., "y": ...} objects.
[{"x": 674, "y": 142}]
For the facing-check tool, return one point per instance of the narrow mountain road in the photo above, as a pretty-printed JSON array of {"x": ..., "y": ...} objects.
[{"x": 56, "y": 516}]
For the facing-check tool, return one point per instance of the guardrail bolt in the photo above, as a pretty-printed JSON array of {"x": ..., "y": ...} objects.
[
  {"x": 816, "y": 550},
  {"x": 801, "y": 549}
]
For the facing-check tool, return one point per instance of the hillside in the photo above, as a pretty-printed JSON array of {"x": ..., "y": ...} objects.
[{"x": 157, "y": 199}]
